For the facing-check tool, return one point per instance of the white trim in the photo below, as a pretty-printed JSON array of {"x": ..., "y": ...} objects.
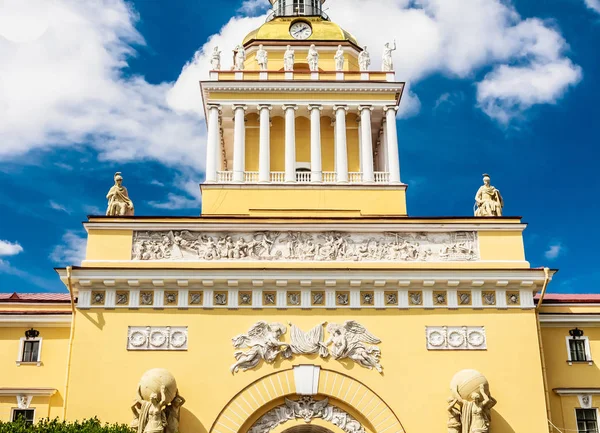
[
  {"x": 549, "y": 320},
  {"x": 36, "y": 392},
  {"x": 297, "y": 86},
  {"x": 349, "y": 227},
  {"x": 588, "y": 352},
  {"x": 577, "y": 391},
  {"x": 37, "y": 362},
  {"x": 13, "y": 409},
  {"x": 35, "y": 320}
]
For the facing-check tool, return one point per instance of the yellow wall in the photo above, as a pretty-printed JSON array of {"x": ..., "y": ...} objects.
[
  {"x": 412, "y": 375},
  {"x": 50, "y": 374}
]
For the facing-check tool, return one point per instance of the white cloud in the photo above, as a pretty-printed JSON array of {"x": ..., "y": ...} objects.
[
  {"x": 92, "y": 210},
  {"x": 253, "y": 7},
  {"x": 189, "y": 199},
  {"x": 71, "y": 251},
  {"x": 593, "y": 4},
  {"x": 449, "y": 100},
  {"x": 10, "y": 248},
  {"x": 157, "y": 183},
  {"x": 554, "y": 250},
  {"x": 58, "y": 207}
]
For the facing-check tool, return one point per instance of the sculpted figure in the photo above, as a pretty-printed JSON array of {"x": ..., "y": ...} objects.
[
  {"x": 262, "y": 58},
  {"x": 240, "y": 58},
  {"x": 119, "y": 203},
  {"x": 313, "y": 58},
  {"x": 349, "y": 342},
  {"x": 173, "y": 411},
  {"x": 388, "y": 63},
  {"x": 454, "y": 414},
  {"x": 289, "y": 57},
  {"x": 475, "y": 415},
  {"x": 364, "y": 59},
  {"x": 304, "y": 343},
  {"x": 263, "y": 343},
  {"x": 488, "y": 201},
  {"x": 149, "y": 414},
  {"x": 339, "y": 59},
  {"x": 215, "y": 59}
]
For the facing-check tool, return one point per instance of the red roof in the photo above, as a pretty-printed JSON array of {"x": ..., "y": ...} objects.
[
  {"x": 35, "y": 297},
  {"x": 570, "y": 298}
]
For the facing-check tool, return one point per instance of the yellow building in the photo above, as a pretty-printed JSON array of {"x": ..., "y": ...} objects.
[{"x": 304, "y": 298}]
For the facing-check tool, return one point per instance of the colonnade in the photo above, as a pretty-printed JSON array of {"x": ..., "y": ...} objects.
[{"x": 290, "y": 111}]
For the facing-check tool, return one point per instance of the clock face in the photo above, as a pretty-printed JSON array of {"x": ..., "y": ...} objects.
[{"x": 301, "y": 30}]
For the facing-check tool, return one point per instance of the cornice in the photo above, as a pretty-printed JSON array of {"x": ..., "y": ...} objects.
[
  {"x": 300, "y": 86},
  {"x": 39, "y": 320},
  {"x": 549, "y": 320},
  {"x": 42, "y": 392},
  {"x": 576, "y": 391}
]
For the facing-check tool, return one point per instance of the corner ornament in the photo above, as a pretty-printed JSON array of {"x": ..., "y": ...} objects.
[{"x": 350, "y": 340}]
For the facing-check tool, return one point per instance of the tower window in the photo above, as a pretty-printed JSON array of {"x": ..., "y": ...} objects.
[
  {"x": 587, "y": 421},
  {"x": 26, "y": 414},
  {"x": 578, "y": 350}
]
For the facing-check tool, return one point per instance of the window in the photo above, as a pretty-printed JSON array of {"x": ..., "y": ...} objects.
[
  {"x": 578, "y": 350},
  {"x": 26, "y": 414},
  {"x": 586, "y": 421},
  {"x": 30, "y": 351}
]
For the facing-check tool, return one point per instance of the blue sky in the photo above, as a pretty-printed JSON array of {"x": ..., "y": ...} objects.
[{"x": 90, "y": 88}]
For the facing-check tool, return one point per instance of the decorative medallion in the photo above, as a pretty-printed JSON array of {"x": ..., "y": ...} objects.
[
  {"x": 455, "y": 337},
  {"x": 157, "y": 338}
]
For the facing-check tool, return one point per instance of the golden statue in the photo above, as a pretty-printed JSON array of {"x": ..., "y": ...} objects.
[
  {"x": 488, "y": 201},
  {"x": 119, "y": 203}
]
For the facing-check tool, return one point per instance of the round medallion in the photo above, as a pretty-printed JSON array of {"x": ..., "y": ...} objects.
[
  {"x": 436, "y": 339},
  {"x": 456, "y": 339},
  {"x": 137, "y": 339},
  {"x": 476, "y": 338},
  {"x": 157, "y": 338},
  {"x": 300, "y": 30},
  {"x": 178, "y": 339}
]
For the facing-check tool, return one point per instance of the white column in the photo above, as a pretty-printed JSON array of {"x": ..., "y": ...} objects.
[
  {"x": 366, "y": 143},
  {"x": 316, "y": 167},
  {"x": 392, "y": 144},
  {"x": 341, "y": 150},
  {"x": 212, "y": 143},
  {"x": 264, "y": 147},
  {"x": 290, "y": 142},
  {"x": 239, "y": 142},
  {"x": 384, "y": 148}
]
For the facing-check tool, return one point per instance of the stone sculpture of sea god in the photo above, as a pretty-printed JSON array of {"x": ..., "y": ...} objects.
[
  {"x": 339, "y": 59},
  {"x": 388, "y": 63},
  {"x": 240, "y": 58},
  {"x": 157, "y": 405},
  {"x": 215, "y": 59},
  {"x": 488, "y": 201},
  {"x": 470, "y": 404},
  {"x": 364, "y": 59},
  {"x": 313, "y": 58},
  {"x": 289, "y": 57},
  {"x": 262, "y": 58},
  {"x": 119, "y": 203}
]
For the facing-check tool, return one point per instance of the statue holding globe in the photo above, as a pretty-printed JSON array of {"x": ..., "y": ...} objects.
[
  {"x": 158, "y": 403},
  {"x": 470, "y": 397}
]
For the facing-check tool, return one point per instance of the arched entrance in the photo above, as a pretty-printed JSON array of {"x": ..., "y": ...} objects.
[{"x": 307, "y": 396}]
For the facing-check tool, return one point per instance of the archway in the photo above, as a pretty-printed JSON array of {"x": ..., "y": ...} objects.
[{"x": 351, "y": 407}]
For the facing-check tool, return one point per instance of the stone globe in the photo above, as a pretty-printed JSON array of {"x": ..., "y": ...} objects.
[
  {"x": 468, "y": 382},
  {"x": 152, "y": 380}
]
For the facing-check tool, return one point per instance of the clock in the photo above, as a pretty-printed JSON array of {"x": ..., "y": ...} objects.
[{"x": 300, "y": 30}]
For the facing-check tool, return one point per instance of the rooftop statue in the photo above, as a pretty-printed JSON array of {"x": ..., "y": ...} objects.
[
  {"x": 240, "y": 58},
  {"x": 313, "y": 58},
  {"x": 488, "y": 201},
  {"x": 262, "y": 58},
  {"x": 339, "y": 59},
  {"x": 388, "y": 62},
  {"x": 215, "y": 59},
  {"x": 288, "y": 59},
  {"x": 364, "y": 59},
  {"x": 119, "y": 203}
]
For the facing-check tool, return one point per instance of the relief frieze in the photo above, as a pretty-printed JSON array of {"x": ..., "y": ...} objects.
[{"x": 305, "y": 246}]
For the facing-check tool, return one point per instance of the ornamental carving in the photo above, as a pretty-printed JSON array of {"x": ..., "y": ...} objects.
[
  {"x": 157, "y": 338},
  {"x": 456, "y": 338},
  {"x": 263, "y": 342},
  {"x": 305, "y": 246},
  {"x": 306, "y": 409}
]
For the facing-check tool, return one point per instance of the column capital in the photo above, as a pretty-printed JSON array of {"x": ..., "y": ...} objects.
[
  {"x": 315, "y": 107},
  {"x": 238, "y": 106},
  {"x": 391, "y": 107},
  {"x": 365, "y": 107},
  {"x": 290, "y": 106},
  {"x": 217, "y": 106},
  {"x": 338, "y": 107},
  {"x": 265, "y": 106}
]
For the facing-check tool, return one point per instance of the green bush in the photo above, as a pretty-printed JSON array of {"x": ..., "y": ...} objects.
[{"x": 56, "y": 426}]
